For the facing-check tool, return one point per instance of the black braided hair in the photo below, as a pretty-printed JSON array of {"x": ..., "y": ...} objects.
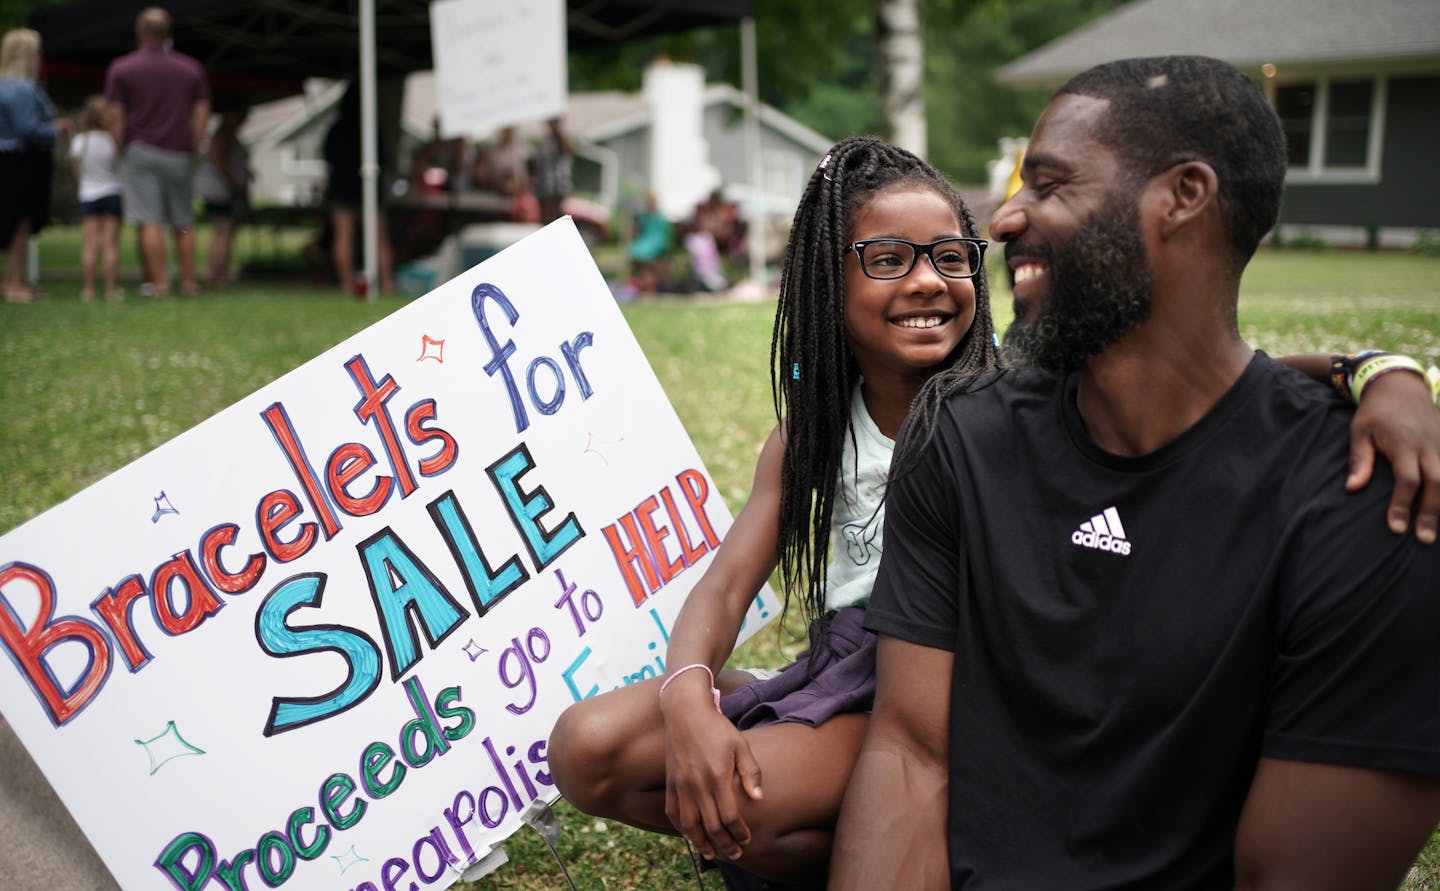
[{"x": 813, "y": 405}]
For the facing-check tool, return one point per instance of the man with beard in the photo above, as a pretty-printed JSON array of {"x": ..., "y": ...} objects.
[{"x": 1133, "y": 630}]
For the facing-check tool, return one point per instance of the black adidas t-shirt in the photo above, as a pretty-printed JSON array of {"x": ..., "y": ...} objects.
[{"x": 1131, "y": 634}]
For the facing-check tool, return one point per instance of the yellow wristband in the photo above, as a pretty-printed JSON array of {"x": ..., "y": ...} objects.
[
  {"x": 1381, "y": 365},
  {"x": 1432, "y": 377}
]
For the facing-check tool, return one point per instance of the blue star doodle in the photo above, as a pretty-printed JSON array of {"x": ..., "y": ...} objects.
[
  {"x": 348, "y": 859},
  {"x": 163, "y": 507}
]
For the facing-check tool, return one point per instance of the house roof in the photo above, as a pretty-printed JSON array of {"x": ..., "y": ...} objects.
[{"x": 1308, "y": 35}]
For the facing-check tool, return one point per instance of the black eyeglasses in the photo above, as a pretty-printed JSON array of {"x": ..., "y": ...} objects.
[{"x": 892, "y": 258}]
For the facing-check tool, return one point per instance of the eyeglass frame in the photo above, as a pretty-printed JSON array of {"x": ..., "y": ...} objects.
[{"x": 859, "y": 247}]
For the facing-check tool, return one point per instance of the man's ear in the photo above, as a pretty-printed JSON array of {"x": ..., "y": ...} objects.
[{"x": 1186, "y": 191}]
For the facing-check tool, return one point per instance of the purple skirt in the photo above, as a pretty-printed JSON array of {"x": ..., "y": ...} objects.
[{"x": 839, "y": 678}]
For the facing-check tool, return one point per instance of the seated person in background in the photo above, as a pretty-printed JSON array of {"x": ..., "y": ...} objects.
[
  {"x": 439, "y": 164},
  {"x": 1134, "y": 630},
  {"x": 708, "y": 234},
  {"x": 721, "y": 219},
  {"x": 653, "y": 237},
  {"x": 503, "y": 167},
  {"x": 705, "y": 265}
]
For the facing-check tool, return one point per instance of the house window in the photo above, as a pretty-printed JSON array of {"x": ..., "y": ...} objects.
[
  {"x": 1347, "y": 126},
  {"x": 1296, "y": 108},
  {"x": 1333, "y": 129}
]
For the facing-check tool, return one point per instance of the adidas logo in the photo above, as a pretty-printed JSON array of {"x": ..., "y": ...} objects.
[{"x": 1103, "y": 532}]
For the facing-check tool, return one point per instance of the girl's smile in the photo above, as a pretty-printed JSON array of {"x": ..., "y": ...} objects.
[{"x": 905, "y": 327}]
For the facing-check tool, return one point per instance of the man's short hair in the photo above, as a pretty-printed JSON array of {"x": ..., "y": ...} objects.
[
  {"x": 1166, "y": 110},
  {"x": 153, "y": 23}
]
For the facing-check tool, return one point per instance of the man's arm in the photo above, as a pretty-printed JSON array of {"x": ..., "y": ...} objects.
[
  {"x": 1395, "y": 419},
  {"x": 892, "y": 826},
  {"x": 1323, "y": 826},
  {"x": 199, "y": 121}
]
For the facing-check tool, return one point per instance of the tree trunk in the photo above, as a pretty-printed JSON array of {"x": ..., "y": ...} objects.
[{"x": 901, "y": 57}]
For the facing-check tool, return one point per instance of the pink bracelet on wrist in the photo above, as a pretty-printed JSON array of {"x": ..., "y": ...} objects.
[{"x": 714, "y": 692}]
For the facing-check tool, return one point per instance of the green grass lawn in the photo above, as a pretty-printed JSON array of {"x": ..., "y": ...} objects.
[
  {"x": 88, "y": 387},
  {"x": 255, "y": 245}
]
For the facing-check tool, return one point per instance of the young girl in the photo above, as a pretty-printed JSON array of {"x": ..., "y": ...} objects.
[
  {"x": 883, "y": 286},
  {"x": 92, "y": 151}
]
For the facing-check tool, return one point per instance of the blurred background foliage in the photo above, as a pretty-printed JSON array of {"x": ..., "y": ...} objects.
[{"x": 817, "y": 63}]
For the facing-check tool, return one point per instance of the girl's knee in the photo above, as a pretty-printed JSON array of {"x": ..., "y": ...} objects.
[{"x": 575, "y": 748}]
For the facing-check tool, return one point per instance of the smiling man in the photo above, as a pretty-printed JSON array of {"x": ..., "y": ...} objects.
[{"x": 1133, "y": 630}]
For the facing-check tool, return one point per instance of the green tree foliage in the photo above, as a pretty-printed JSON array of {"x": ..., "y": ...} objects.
[
  {"x": 966, "y": 40},
  {"x": 15, "y": 13},
  {"x": 801, "y": 44}
]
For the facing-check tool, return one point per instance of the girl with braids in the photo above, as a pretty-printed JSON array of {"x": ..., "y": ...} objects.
[{"x": 882, "y": 286}]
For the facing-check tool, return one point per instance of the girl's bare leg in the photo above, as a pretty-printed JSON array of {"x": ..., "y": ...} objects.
[
  {"x": 607, "y": 756},
  {"x": 110, "y": 254},
  {"x": 90, "y": 247}
]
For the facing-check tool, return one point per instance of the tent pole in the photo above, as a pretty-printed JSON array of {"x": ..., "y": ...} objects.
[
  {"x": 755, "y": 234},
  {"x": 369, "y": 150}
]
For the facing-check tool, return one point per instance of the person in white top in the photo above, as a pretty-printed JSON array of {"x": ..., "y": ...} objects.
[{"x": 92, "y": 152}]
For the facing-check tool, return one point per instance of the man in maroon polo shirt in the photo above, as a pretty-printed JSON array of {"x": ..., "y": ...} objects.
[{"x": 159, "y": 106}]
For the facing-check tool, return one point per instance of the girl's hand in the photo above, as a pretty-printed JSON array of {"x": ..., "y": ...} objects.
[
  {"x": 1397, "y": 417},
  {"x": 705, "y": 756}
]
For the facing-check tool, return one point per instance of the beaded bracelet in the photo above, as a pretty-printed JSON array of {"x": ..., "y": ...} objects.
[
  {"x": 714, "y": 692},
  {"x": 1342, "y": 370},
  {"x": 1380, "y": 366},
  {"x": 1351, "y": 374}
]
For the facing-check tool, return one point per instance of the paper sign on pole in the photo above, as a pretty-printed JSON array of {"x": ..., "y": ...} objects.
[
  {"x": 497, "y": 63},
  {"x": 320, "y": 640}
]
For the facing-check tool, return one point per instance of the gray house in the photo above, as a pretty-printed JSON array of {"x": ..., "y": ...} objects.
[
  {"x": 788, "y": 149},
  {"x": 1356, "y": 85}
]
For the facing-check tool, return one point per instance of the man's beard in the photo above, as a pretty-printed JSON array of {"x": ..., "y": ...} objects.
[{"x": 1099, "y": 289}]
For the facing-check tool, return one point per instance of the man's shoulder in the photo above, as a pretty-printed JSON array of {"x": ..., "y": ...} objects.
[
  {"x": 167, "y": 60},
  {"x": 1003, "y": 390},
  {"x": 123, "y": 64},
  {"x": 1293, "y": 405},
  {"x": 189, "y": 62}
]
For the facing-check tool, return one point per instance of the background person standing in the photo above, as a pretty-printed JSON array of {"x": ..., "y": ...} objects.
[
  {"x": 27, "y": 141},
  {"x": 552, "y": 170},
  {"x": 222, "y": 181},
  {"x": 159, "y": 108},
  {"x": 93, "y": 155},
  {"x": 343, "y": 197}
]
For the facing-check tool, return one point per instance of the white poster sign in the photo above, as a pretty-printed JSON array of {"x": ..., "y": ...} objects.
[
  {"x": 319, "y": 640},
  {"x": 497, "y": 63}
]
